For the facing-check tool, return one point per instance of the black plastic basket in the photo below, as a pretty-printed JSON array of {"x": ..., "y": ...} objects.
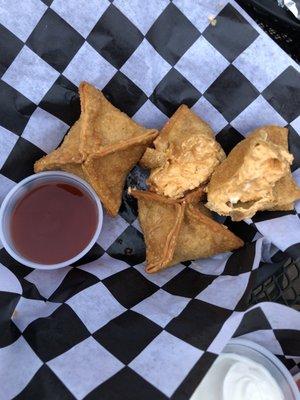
[
  {"x": 279, "y": 281},
  {"x": 278, "y": 22}
]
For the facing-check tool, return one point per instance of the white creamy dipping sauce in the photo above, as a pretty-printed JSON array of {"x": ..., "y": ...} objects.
[{"x": 234, "y": 377}]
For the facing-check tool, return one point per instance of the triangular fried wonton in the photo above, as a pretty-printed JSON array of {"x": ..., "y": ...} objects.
[
  {"x": 185, "y": 155},
  {"x": 101, "y": 147},
  {"x": 177, "y": 231},
  {"x": 107, "y": 170},
  {"x": 67, "y": 157},
  {"x": 102, "y": 123},
  {"x": 255, "y": 176}
]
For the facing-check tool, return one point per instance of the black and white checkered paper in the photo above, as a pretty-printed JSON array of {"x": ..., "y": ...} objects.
[{"x": 103, "y": 328}]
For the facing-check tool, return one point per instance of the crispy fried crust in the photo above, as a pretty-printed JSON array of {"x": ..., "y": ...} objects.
[
  {"x": 103, "y": 124},
  {"x": 176, "y": 230},
  {"x": 286, "y": 190},
  {"x": 194, "y": 196},
  {"x": 231, "y": 164},
  {"x": 201, "y": 237},
  {"x": 281, "y": 196},
  {"x": 102, "y": 147},
  {"x": 67, "y": 157},
  {"x": 152, "y": 159},
  {"x": 185, "y": 122},
  {"x": 107, "y": 169},
  {"x": 184, "y": 157},
  {"x": 160, "y": 219},
  {"x": 234, "y": 160},
  {"x": 182, "y": 124}
]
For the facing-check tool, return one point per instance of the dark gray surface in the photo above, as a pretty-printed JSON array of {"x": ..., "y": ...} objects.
[{"x": 278, "y": 22}]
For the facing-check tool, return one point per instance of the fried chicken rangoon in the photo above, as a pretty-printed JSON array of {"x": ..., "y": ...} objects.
[
  {"x": 185, "y": 155},
  {"x": 255, "y": 176},
  {"x": 179, "y": 230},
  {"x": 101, "y": 147}
]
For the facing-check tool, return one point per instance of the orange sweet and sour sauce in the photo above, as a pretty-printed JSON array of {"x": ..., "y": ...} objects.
[{"x": 53, "y": 223}]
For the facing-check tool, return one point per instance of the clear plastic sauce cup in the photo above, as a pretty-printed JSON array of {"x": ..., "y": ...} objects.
[{"x": 29, "y": 184}]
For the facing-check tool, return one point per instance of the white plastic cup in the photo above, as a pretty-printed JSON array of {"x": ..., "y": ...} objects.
[
  {"x": 261, "y": 355},
  {"x": 27, "y": 184}
]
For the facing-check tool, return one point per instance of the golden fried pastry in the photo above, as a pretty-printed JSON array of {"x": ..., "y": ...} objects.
[
  {"x": 107, "y": 169},
  {"x": 67, "y": 157},
  {"x": 101, "y": 147},
  {"x": 185, "y": 155},
  {"x": 102, "y": 123},
  {"x": 177, "y": 230},
  {"x": 255, "y": 176}
]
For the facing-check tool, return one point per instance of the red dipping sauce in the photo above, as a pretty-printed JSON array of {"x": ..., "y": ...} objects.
[{"x": 53, "y": 223}]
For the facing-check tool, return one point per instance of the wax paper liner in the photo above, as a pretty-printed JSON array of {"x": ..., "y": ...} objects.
[{"x": 103, "y": 328}]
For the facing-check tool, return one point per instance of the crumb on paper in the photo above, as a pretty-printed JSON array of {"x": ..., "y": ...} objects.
[
  {"x": 14, "y": 314},
  {"x": 212, "y": 20}
]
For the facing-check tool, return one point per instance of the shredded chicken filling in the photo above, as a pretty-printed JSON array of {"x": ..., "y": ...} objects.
[
  {"x": 187, "y": 165},
  {"x": 262, "y": 168}
]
